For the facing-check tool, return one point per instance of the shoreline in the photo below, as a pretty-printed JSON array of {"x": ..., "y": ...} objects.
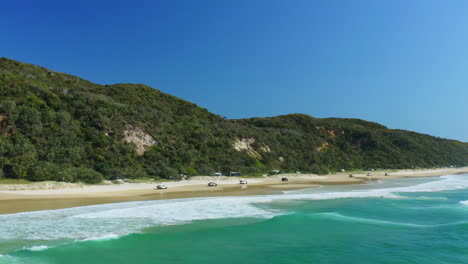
[{"x": 61, "y": 195}]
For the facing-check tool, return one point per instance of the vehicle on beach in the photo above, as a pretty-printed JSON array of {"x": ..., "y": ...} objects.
[
  {"x": 386, "y": 174},
  {"x": 369, "y": 174},
  {"x": 118, "y": 178},
  {"x": 212, "y": 184},
  {"x": 242, "y": 182},
  {"x": 284, "y": 179},
  {"x": 351, "y": 175},
  {"x": 161, "y": 187}
]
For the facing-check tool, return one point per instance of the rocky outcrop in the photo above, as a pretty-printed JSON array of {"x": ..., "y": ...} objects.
[
  {"x": 247, "y": 145},
  {"x": 323, "y": 147},
  {"x": 265, "y": 148},
  {"x": 140, "y": 138},
  {"x": 243, "y": 144}
]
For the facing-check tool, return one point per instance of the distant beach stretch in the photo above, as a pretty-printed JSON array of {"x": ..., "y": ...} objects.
[{"x": 55, "y": 195}]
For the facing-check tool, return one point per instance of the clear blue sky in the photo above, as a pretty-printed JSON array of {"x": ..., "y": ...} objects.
[{"x": 402, "y": 63}]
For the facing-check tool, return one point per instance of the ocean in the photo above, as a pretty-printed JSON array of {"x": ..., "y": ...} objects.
[{"x": 411, "y": 220}]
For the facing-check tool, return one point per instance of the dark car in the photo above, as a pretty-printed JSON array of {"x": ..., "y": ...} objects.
[{"x": 117, "y": 177}]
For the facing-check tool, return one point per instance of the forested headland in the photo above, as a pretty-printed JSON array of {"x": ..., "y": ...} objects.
[{"x": 55, "y": 126}]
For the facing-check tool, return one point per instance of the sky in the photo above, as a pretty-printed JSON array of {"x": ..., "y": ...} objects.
[{"x": 401, "y": 63}]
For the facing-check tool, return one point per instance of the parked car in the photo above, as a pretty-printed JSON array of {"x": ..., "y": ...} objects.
[
  {"x": 284, "y": 179},
  {"x": 161, "y": 187},
  {"x": 242, "y": 182},
  {"x": 117, "y": 178},
  {"x": 212, "y": 184}
]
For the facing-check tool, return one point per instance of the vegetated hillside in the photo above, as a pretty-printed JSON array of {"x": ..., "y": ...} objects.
[{"x": 55, "y": 126}]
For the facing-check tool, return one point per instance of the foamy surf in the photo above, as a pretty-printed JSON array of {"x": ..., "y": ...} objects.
[
  {"x": 114, "y": 220},
  {"x": 102, "y": 238},
  {"x": 37, "y": 248},
  {"x": 341, "y": 217},
  {"x": 464, "y": 202},
  {"x": 118, "y": 219}
]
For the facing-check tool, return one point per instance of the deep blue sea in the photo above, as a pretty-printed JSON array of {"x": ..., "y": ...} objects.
[{"x": 415, "y": 220}]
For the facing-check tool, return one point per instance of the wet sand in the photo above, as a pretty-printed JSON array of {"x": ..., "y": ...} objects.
[{"x": 13, "y": 201}]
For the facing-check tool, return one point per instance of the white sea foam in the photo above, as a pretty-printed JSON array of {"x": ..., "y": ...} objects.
[
  {"x": 103, "y": 237},
  {"x": 340, "y": 217},
  {"x": 37, "y": 248},
  {"x": 113, "y": 220},
  {"x": 337, "y": 216},
  {"x": 464, "y": 202}
]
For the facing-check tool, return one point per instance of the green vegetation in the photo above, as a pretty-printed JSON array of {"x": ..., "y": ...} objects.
[
  {"x": 55, "y": 126},
  {"x": 13, "y": 181}
]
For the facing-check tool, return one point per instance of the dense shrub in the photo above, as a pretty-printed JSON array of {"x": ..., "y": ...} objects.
[
  {"x": 87, "y": 175},
  {"x": 81, "y": 174},
  {"x": 319, "y": 169},
  {"x": 44, "y": 171}
]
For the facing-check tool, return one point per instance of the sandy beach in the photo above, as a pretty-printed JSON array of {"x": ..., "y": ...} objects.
[{"x": 51, "y": 195}]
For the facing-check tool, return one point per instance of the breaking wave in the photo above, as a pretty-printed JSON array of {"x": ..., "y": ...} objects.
[
  {"x": 109, "y": 221},
  {"x": 340, "y": 217},
  {"x": 38, "y": 248}
]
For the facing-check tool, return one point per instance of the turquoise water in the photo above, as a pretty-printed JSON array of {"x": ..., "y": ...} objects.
[{"x": 421, "y": 220}]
